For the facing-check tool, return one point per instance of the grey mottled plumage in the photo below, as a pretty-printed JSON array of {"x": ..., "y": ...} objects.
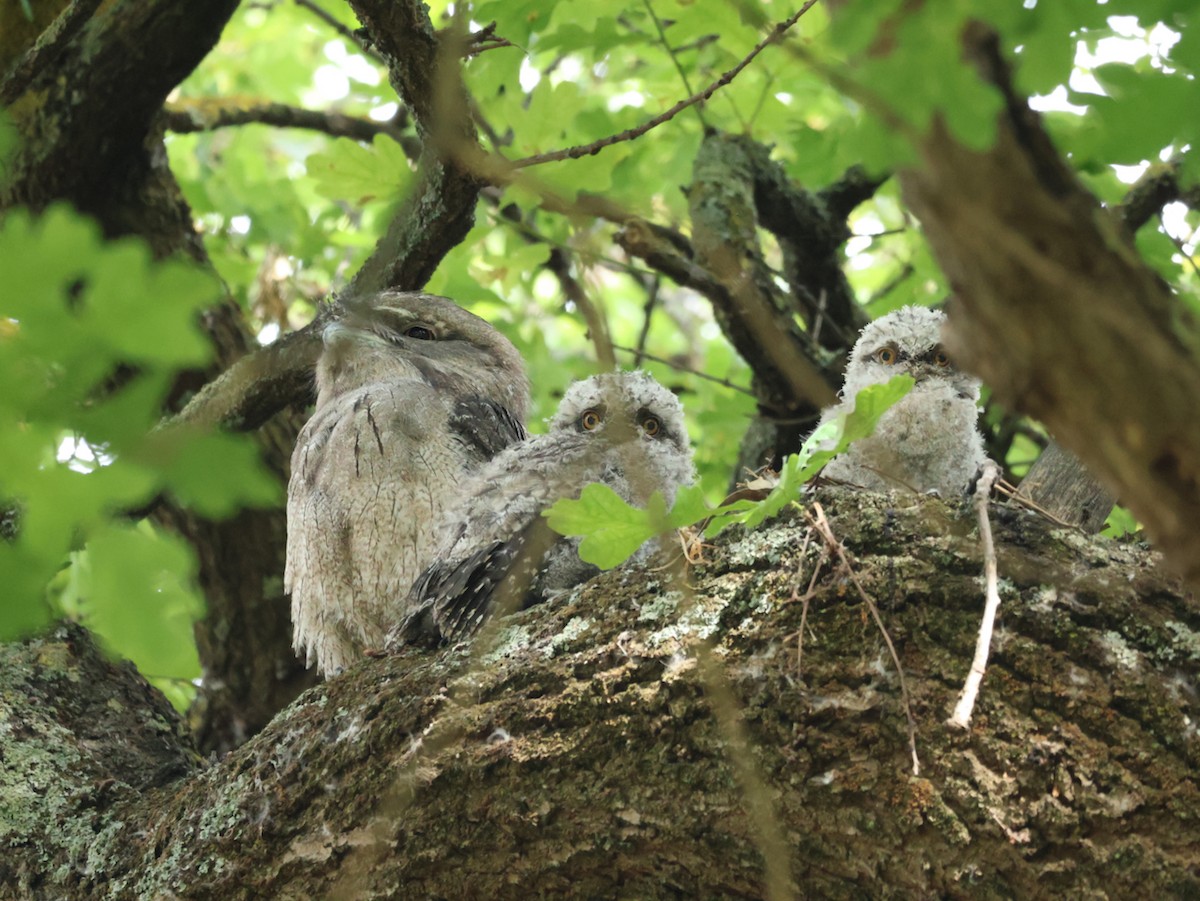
[
  {"x": 413, "y": 395},
  {"x": 929, "y": 441},
  {"x": 623, "y": 429}
]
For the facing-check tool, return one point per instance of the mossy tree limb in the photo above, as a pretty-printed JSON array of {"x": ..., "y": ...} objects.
[{"x": 582, "y": 758}]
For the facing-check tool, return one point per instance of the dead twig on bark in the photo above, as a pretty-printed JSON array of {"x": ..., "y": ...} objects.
[
  {"x": 818, "y": 521},
  {"x": 961, "y": 718}
]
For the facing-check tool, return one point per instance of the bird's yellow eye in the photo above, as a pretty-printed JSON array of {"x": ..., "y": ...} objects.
[
  {"x": 887, "y": 355},
  {"x": 420, "y": 332},
  {"x": 590, "y": 420},
  {"x": 651, "y": 424},
  {"x": 940, "y": 357}
]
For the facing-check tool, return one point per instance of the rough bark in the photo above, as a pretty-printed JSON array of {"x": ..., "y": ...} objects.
[
  {"x": 581, "y": 756},
  {"x": 1051, "y": 292},
  {"x": 1058, "y": 481},
  {"x": 423, "y": 67}
]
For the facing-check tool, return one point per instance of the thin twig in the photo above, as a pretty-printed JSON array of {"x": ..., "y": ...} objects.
[
  {"x": 1178, "y": 244},
  {"x": 768, "y": 83},
  {"x": 1010, "y": 491},
  {"x": 679, "y": 368},
  {"x": 906, "y": 272},
  {"x": 345, "y": 32},
  {"x": 572, "y": 153},
  {"x": 903, "y": 229},
  {"x": 807, "y": 597},
  {"x": 961, "y": 718},
  {"x": 662, "y": 37},
  {"x": 819, "y": 317},
  {"x": 822, "y": 526},
  {"x": 647, "y": 313},
  {"x": 560, "y": 264},
  {"x": 501, "y": 216}
]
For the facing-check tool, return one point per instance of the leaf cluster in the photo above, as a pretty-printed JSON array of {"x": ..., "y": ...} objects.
[{"x": 93, "y": 334}]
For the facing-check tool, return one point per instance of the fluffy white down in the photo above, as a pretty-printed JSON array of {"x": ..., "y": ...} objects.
[{"x": 930, "y": 440}]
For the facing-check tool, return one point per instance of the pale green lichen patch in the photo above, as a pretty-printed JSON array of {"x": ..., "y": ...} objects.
[
  {"x": 511, "y": 641},
  {"x": 1118, "y": 651},
  {"x": 225, "y": 816},
  {"x": 763, "y": 546},
  {"x": 659, "y": 607},
  {"x": 1185, "y": 644},
  {"x": 36, "y": 779},
  {"x": 562, "y": 640},
  {"x": 699, "y": 619}
]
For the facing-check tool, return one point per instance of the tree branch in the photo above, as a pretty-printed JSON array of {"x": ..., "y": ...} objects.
[
  {"x": 583, "y": 759},
  {"x": 102, "y": 83},
  {"x": 191, "y": 116},
  {"x": 560, "y": 265},
  {"x": 48, "y": 48},
  {"x": 1050, "y": 290},
  {"x": 440, "y": 210},
  {"x": 1158, "y": 186},
  {"x": 571, "y": 153},
  {"x": 347, "y": 33},
  {"x": 811, "y": 229}
]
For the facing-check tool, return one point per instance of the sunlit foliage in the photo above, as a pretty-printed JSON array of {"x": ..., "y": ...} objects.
[{"x": 288, "y": 215}]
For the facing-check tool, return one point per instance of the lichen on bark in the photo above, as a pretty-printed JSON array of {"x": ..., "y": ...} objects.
[{"x": 578, "y": 755}]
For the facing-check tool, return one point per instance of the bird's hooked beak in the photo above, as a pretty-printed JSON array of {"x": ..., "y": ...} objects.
[
  {"x": 346, "y": 330},
  {"x": 332, "y": 332},
  {"x": 923, "y": 372}
]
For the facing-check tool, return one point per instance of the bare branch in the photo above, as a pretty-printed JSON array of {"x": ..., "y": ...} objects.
[
  {"x": 559, "y": 263},
  {"x": 572, "y": 153},
  {"x": 640, "y": 354},
  {"x": 440, "y": 209},
  {"x": 662, "y": 39},
  {"x": 1050, "y": 290},
  {"x": 113, "y": 85},
  {"x": 961, "y": 718},
  {"x": 347, "y": 33},
  {"x": 852, "y": 189},
  {"x": 1158, "y": 186},
  {"x": 52, "y": 42},
  {"x": 191, "y": 116},
  {"x": 260, "y": 384}
]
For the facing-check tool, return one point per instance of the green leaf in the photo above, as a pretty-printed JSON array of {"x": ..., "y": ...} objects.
[
  {"x": 138, "y": 597},
  {"x": 79, "y": 453},
  {"x": 1120, "y": 523},
  {"x": 612, "y": 529},
  {"x": 825, "y": 443},
  {"x": 1144, "y": 112},
  {"x": 358, "y": 174},
  {"x": 24, "y": 576},
  {"x": 215, "y": 474}
]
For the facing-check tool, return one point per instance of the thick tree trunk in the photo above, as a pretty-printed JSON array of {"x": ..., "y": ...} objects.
[
  {"x": 587, "y": 753},
  {"x": 1061, "y": 317}
]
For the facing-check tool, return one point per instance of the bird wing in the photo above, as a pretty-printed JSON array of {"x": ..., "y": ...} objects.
[
  {"x": 451, "y": 600},
  {"x": 484, "y": 427}
]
